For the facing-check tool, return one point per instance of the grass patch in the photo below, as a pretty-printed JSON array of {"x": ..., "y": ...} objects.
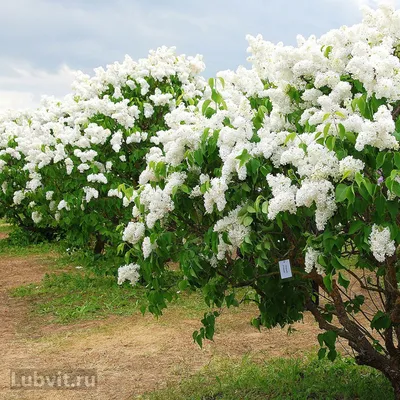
[
  {"x": 68, "y": 294},
  {"x": 73, "y": 296},
  {"x": 5, "y": 227},
  {"x": 280, "y": 379},
  {"x": 46, "y": 249},
  {"x": 19, "y": 243}
]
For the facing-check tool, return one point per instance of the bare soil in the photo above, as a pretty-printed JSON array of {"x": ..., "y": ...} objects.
[{"x": 132, "y": 355}]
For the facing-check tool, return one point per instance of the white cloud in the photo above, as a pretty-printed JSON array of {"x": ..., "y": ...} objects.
[
  {"x": 370, "y": 3},
  {"x": 16, "y": 100},
  {"x": 23, "y": 85}
]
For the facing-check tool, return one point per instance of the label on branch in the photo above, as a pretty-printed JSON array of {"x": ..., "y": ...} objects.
[{"x": 286, "y": 271}]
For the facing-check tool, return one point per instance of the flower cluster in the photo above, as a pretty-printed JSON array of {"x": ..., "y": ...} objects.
[
  {"x": 78, "y": 151},
  {"x": 298, "y": 132},
  {"x": 381, "y": 244},
  {"x": 129, "y": 272}
]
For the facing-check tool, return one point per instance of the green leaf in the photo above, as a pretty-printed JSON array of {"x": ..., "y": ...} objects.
[
  {"x": 322, "y": 353},
  {"x": 185, "y": 189},
  {"x": 362, "y": 106},
  {"x": 183, "y": 284},
  {"x": 330, "y": 339},
  {"x": 326, "y": 116},
  {"x": 397, "y": 159},
  {"x": 129, "y": 192},
  {"x": 355, "y": 226},
  {"x": 330, "y": 142},
  {"x": 251, "y": 210},
  {"x": 342, "y": 131},
  {"x": 343, "y": 281},
  {"x": 396, "y": 188},
  {"x": 359, "y": 179},
  {"x": 332, "y": 355},
  {"x": 264, "y": 207},
  {"x": 327, "y": 51},
  {"x": 205, "y": 106},
  {"x": 244, "y": 157},
  {"x": 345, "y": 175},
  {"x": 326, "y": 128},
  {"x": 350, "y": 195},
  {"x": 341, "y": 192},
  {"x": 209, "y": 112},
  {"x": 321, "y": 260},
  {"x": 215, "y": 96},
  {"x": 257, "y": 203},
  {"x": 256, "y": 322},
  {"x": 303, "y": 146},
  {"x": 340, "y": 114},
  {"x": 198, "y": 156},
  {"x": 380, "y": 203},
  {"x": 197, "y": 338},
  {"x": 380, "y": 321},
  {"x": 328, "y": 282},
  {"x": 351, "y": 137},
  {"x": 380, "y": 159},
  {"x": 370, "y": 187},
  {"x": 120, "y": 248},
  {"x": 290, "y": 137},
  {"x": 321, "y": 339},
  {"x": 247, "y": 221}
]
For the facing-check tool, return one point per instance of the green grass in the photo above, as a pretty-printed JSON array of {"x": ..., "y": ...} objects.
[
  {"x": 73, "y": 296},
  {"x": 22, "y": 251},
  {"x": 279, "y": 379},
  {"x": 68, "y": 295},
  {"x": 4, "y": 227},
  {"x": 18, "y": 243}
]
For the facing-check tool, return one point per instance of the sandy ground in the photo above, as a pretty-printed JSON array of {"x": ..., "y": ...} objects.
[{"x": 132, "y": 355}]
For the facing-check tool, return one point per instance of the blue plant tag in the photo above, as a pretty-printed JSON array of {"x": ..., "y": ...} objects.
[{"x": 285, "y": 269}]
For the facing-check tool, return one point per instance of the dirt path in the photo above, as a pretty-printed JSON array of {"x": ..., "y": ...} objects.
[{"x": 132, "y": 355}]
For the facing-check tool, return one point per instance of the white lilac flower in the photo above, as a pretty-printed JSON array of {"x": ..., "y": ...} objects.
[
  {"x": 230, "y": 224},
  {"x": 322, "y": 194},
  {"x": 380, "y": 242},
  {"x": 115, "y": 193},
  {"x": 19, "y": 195},
  {"x": 63, "y": 204},
  {"x": 129, "y": 272},
  {"x": 133, "y": 232},
  {"x": 349, "y": 166},
  {"x": 284, "y": 195},
  {"x": 311, "y": 261},
  {"x": 36, "y": 217},
  {"x": 91, "y": 193},
  {"x": 148, "y": 247},
  {"x": 49, "y": 195},
  {"x": 100, "y": 178},
  {"x": 215, "y": 195}
]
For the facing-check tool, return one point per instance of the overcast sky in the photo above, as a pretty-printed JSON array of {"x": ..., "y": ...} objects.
[{"x": 44, "y": 41}]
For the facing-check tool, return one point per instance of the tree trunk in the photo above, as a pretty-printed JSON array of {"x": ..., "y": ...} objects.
[
  {"x": 396, "y": 387},
  {"x": 315, "y": 289},
  {"x": 389, "y": 368},
  {"x": 99, "y": 246}
]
